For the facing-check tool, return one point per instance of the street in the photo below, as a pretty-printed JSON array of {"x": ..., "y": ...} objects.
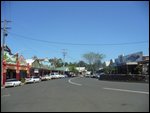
[{"x": 76, "y": 94}]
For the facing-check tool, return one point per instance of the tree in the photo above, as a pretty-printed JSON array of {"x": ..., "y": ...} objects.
[
  {"x": 106, "y": 69},
  {"x": 111, "y": 67},
  {"x": 138, "y": 69},
  {"x": 98, "y": 65},
  {"x": 111, "y": 63},
  {"x": 73, "y": 69},
  {"x": 81, "y": 64},
  {"x": 72, "y": 64},
  {"x": 93, "y": 59},
  {"x": 104, "y": 64},
  {"x": 56, "y": 62}
]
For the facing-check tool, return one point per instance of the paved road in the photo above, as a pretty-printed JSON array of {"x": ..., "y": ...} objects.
[{"x": 77, "y": 95}]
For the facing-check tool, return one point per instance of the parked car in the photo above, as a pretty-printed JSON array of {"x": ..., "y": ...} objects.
[
  {"x": 48, "y": 77},
  {"x": 94, "y": 76},
  {"x": 45, "y": 77},
  {"x": 32, "y": 79},
  {"x": 12, "y": 82},
  {"x": 88, "y": 76},
  {"x": 63, "y": 76},
  {"x": 54, "y": 76},
  {"x": 100, "y": 76}
]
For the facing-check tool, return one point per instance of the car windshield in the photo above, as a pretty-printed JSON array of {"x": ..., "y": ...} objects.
[
  {"x": 35, "y": 77},
  {"x": 28, "y": 77}
]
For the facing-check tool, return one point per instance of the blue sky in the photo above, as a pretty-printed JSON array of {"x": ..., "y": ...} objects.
[{"x": 77, "y": 22}]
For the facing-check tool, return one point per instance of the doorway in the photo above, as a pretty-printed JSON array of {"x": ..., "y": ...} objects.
[{"x": 10, "y": 74}]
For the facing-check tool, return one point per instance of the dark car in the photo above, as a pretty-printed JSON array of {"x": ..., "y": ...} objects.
[{"x": 100, "y": 76}]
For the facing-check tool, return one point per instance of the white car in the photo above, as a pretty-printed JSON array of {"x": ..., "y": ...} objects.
[
  {"x": 12, "y": 82},
  {"x": 48, "y": 77},
  {"x": 55, "y": 76},
  {"x": 62, "y": 76},
  {"x": 45, "y": 77},
  {"x": 32, "y": 79}
]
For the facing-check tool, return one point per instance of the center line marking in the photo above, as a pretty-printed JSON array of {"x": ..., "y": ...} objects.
[
  {"x": 127, "y": 90},
  {"x": 73, "y": 82}
]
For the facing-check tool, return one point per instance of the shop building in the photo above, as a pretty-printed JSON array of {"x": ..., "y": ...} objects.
[
  {"x": 39, "y": 67},
  {"x": 128, "y": 64},
  {"x": 14, "y": 66}
]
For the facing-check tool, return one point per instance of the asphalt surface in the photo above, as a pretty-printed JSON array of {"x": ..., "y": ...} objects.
[{"x": 76, "y": 95}]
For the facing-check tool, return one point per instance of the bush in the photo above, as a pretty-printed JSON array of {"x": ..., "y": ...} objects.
[
  {"x": 22, "y": 80},
  {"x": 122, "y": 77}
]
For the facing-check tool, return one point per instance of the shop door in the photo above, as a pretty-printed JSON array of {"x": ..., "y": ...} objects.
[
  {"x": 10, "y": 74},
  {"x": 23, "y": 73}
]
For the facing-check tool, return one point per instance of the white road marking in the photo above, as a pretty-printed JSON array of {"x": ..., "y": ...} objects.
[
  {"x": 126, "y": 90},
  {"x": 2, "y": 87},
  {"x": 5, "y": 95},
  {"x": 73, "y": 82}
]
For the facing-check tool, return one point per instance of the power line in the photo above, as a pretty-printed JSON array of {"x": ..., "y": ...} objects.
[
  {"x": 78, "y": 44},
  {"x": 34, "y": 48}
]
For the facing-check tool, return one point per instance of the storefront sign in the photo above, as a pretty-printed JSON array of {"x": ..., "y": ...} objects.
[
  {"x": 12, "y": 67},
  {"x": 22, "y": 68}
]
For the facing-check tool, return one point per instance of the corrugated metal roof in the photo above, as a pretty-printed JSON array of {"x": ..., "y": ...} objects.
[
  {"x": 30, "y": 61},
  {"x": 62, "y": 69}
]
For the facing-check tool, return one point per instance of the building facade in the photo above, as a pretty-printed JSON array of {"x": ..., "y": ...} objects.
[
  {"x": 14, "y": 66},
  {"x": 130, "y": 64}
]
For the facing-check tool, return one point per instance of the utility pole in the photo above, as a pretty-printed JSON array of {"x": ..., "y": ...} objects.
[
  {"x": 64, "y": 55},
  {"x": 2, "y": 48}
]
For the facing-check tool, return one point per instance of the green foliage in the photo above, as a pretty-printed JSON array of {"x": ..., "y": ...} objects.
[
  {"x": 94, "y": 60},
  {"x": 56, "y": 62},
  {"x": 81, "y": 64},
  {"x": 104, "y": 65},
  {"x": 107, "y": 70},
  {"x": 92, "y": 57},
  {"x": 22, "y": 80},
  {"x": 138, "y": 69},
  {"x": 73, "y": 69},
  {"x": 110, "y": 70},
  {"x": 111, "y": 63}
]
